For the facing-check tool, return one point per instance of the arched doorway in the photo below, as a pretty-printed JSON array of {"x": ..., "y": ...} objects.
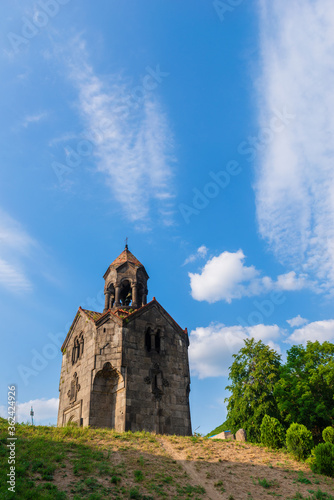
[{"x": 103, "y": 397}]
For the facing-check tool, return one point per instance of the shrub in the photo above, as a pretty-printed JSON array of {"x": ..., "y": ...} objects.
[
  {"x": 272, "y": 432},
  {"x": 299, "y": 441},
  {"x": 139, "y": 476},
  {"x": 328, "y": 435},
  {"x": 323, "y": 462}
]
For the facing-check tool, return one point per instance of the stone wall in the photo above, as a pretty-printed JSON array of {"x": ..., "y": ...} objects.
[
  {"x": 91, "y": 403},
  {"x": 157, "y": 387},
  {"x": 107, "y": 405},
  {"x": 78, "y": 374},
  {"x": 133, "y": 373}
]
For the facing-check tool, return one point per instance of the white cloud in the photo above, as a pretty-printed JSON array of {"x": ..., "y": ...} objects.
[
  {"x": 318, "y": 330},
  {"x": 29, "y": 119},
  {"x": 46, "y": 411},
  {"x": 211, "y": 348},
  {"x": 290, "y": 281},
  {"x": 199, "y": 254},
  {"x": 13, "y": 277},
  {"x": 132, "y": 141},
  {"x": 297, "y": 321},
  {"x": 295, "y": 174},
  {"x": 15, "y": 245},
  {"x": 226, "y": 278}
]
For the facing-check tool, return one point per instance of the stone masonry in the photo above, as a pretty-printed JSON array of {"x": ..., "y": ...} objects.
[{"x": 126, "y": 368}]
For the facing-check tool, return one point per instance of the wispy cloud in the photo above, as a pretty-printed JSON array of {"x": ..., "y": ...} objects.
[
  {"x": 12, "y": 277},
  {"x": 226, "y": 277},
  {"x": 29, "y": 119},
  {"x": 132, "y": 143},
  {"x": 199, "y": 254},
  {"x": 15, "y": 245},
  {"x": 295, "y": 176}
]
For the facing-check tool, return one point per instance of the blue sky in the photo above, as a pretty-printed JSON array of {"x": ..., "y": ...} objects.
[{"x": 202, "y": 131}]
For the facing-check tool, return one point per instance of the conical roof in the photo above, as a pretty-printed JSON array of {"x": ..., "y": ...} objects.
[{"x": 126, "y": 256}]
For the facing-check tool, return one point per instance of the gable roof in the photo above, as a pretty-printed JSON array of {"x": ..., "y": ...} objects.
[
  {"x": 92, "y": 314},
  {"x": 155, "y": 303},
  {"x": 121, "y": 315}
]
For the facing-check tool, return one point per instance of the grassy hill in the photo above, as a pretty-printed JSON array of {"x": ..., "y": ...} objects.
[{"x": 76, "y": 463}]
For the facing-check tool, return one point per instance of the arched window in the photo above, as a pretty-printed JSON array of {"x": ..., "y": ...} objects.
[
  {"x": 148, "y": 339},
  {"x": 126, "y": 293},
  {"x": 81, "y": 346},
  {"x": 76, "y": 350},
  {"x": 157, "y": 341}
]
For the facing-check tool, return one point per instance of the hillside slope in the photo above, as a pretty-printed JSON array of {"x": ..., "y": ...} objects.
[{"x": 76, "y": 463}]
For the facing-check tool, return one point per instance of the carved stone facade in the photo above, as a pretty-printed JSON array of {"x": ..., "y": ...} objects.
[{"x": 126, "y": 368}]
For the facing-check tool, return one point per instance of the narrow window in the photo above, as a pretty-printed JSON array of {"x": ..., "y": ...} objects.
[
  {"x": 77, "y": 345},
  {"x": 74, "y": 351},
  {"x": 81, "y": 349},
  {"x": 157, "y": 341},
  {"x": 148, "y": 339},
  {"x": 77, "y": 350}
]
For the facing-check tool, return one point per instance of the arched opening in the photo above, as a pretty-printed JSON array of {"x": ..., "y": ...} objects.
[
  {"x": 103, "y": 397},
  {"x": 125, "y": 293},
  {"x": 73, "y": 354},
  {"x": 157, "y": 341},
  {"x": 75, "y": 350},
  {"x": 148, "y": 340},
  {"x": 81, "y": 346},
  {"x": 72, "y": 421}
]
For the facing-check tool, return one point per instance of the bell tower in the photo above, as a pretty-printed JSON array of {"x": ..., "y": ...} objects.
[
  {"x": 125, "y": 283},
  {"x": 127, "y": 367}
]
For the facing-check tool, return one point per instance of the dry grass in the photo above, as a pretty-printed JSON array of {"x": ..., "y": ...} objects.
[{"x": 75, "y": 463}]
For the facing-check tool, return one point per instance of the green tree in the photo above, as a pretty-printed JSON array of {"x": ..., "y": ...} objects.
[
  {"x": 272, "y": 432},
  {"x": 305, "y": 391},
  {"x": 253, "y": 375}
]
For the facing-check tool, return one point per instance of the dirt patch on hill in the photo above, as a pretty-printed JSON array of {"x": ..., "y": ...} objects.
[{"x": 239, "y": 471}]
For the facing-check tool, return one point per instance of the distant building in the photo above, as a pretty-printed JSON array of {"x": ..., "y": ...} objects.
[{"x": 126, "y": 368}]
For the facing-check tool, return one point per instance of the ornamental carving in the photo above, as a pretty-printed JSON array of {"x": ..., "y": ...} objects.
[
  {"x": 75, "y": 388},
  {"x": 157, "y": 381}
]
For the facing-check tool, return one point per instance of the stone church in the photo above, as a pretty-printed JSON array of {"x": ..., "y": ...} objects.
[{"x": 127, "y": 367}]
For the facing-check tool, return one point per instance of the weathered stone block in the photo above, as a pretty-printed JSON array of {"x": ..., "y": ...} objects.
[{"x": 241, "y": 435}]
